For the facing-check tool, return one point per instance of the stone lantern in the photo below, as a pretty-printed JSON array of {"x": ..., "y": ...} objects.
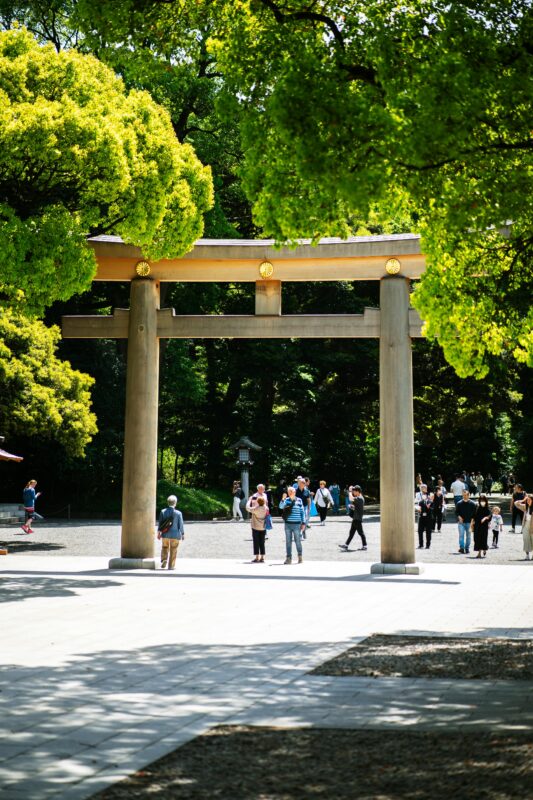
[{"x": 244, "y": 450}]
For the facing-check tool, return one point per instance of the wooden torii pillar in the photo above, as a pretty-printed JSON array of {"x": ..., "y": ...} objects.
[{"x": 393, "y": 260}]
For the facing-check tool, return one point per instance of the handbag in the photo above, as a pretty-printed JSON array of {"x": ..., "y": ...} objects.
[{"x": 268, "y": 522}]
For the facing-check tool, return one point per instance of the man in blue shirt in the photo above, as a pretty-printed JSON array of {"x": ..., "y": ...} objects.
[
  {"x": 170, "y": 536},
  {"x": 292, "y": 511}
]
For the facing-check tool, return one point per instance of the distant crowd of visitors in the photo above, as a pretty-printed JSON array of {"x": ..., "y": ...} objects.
[
  {"x": 297, "y": 503},
  {"x": 474, "y": 520}
]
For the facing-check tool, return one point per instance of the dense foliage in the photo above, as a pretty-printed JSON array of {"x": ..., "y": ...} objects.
[
  {"x": 80, "y": 156},
  {"x": 42, "y": 396},
  {"x": 327, "y": 118}
]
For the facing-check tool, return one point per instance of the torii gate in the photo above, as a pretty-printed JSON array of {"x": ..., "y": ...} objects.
[{"x": 393, "y": 260}]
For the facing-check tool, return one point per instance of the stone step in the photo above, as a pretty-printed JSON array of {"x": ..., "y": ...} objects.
[{"x": 13, "y": 508}]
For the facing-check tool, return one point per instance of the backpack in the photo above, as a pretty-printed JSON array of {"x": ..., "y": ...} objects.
[
  {"x": 166, "y": 523},
  {"x": 287, "y": 510}
]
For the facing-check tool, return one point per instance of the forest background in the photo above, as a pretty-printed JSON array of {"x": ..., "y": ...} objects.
[{"x": 312, "y": 406}]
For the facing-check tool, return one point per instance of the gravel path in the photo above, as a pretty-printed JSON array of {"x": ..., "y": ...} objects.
[
  {"x": 434, "y": 657},
  {"x": 234, "y": 540},
  {"x": 267, "y": 764}
]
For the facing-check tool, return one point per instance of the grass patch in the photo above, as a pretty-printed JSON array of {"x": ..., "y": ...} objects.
[{"x": 209, "y": 502}]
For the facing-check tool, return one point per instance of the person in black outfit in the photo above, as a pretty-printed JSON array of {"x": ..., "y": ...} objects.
[
  {"x": 357, "y": 503},
  {"x": 481, "y": 526},
  {"x": 438, "y": 508},
  {"x": 425, "y": 520},
  {"x": 518, "y": 496}
]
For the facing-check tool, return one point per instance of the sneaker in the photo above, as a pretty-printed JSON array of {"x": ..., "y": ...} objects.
[
  {"x": 467, "y": 550},
  {"x": 512, "y": 530},
  {"x": 300, "y": 560},
  {"x": 288, "y": 561},
  {"x": 461, "y": 550},
  {"x": 343, "y": 547},
  {"x": 364, "y": 547},
  {"x": 29, "y": 530},
  {"x": 25, "y": 528}
]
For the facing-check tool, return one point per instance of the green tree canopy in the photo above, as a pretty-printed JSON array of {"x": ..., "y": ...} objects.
[
  {"x": 41, "y": 394},
  {"x": 426, "y": 105},
  {"x": 80, "y": 156}
]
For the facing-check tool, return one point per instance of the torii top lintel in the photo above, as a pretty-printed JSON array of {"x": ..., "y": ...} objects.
[{"x": 238, "y": 260}]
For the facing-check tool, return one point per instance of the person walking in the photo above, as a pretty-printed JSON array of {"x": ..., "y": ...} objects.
[
  {"x": 292, "y": 511},
  {"x": 457, "y": 488},
  {"x": 347, "y": 493},
  {"x": 335, "y": 491},
  {"x": 357, "y": 506},
  {"x": 465, "y": 509},
  {"x": 481, "y": 526},
  {"x": 425, "y": 518},
  {"x": 238, "y": 495},
  {"x": 29, "y": 496},
  {"x": 518, "y": 496},
  {"x": 170, "y": 531},
  {"x": 496, "y": 525},
  {"x": 479, "y": 482},
  {"x": 526, "y": 506},
  {"x": 323, "y": 500},
  {"x": 304, "y": 494},
  {"x": 438, "y": 508},
  {"x": 258, "y": 516},
  {"x": 488, "y": 484}
]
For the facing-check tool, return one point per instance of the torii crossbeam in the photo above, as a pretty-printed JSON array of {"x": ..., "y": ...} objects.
[{"x": 393, "y": 260}]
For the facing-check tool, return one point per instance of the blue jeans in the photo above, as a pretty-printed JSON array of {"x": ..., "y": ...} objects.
[
  {"x": 464, "y": 534},
  {"x": 457, "y": 498},
  {"x": 292, "y": 529}
]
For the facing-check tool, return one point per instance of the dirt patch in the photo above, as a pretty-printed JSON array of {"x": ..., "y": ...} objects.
[
  {"x": 245, "y": 763},
  {"x": 434, "y": 657}
]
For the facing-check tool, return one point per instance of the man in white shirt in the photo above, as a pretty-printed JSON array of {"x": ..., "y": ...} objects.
[{"x": 457, "y": 488}]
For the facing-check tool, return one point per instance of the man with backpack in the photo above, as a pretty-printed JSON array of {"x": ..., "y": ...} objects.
[
  {"x": 170, "y": 530},
  {"x": 292, "y": 511}
]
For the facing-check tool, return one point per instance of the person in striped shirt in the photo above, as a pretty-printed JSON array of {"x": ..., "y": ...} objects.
[{"x": 292, "y": 511}]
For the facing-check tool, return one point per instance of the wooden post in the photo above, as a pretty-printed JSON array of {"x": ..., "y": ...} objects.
[
  {"x": 396, "y": 431},
  {"x": 268, "y": 298},
  {"x": 140, "y": 437}
]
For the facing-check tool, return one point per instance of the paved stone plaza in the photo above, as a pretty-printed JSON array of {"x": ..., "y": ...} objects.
[{"x": 103, "y": 672}]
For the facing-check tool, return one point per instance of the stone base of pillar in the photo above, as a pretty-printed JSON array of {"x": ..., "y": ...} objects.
[
  {"x": 396, "y": 569},
  {"x": 132, "y": 563}
]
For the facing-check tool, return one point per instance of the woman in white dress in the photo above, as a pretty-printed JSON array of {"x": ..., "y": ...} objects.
[{"x": 527, "y": 527}]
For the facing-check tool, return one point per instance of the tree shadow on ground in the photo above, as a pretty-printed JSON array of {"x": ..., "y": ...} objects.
[
  {"x": 295, "y": 764},
  {"x": 27, "y": 546},
  {"x": 15, "y": 588},
  {"x": 100, "y": 715}
]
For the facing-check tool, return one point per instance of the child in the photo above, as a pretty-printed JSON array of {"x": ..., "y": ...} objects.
[{"x": 496, "y": 525}]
